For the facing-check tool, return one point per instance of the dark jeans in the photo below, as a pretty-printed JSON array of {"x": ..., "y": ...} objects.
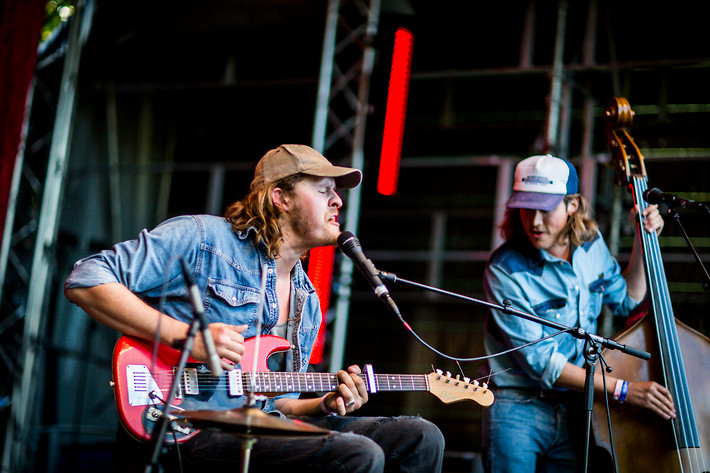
[{"x": 357, "y": 444}]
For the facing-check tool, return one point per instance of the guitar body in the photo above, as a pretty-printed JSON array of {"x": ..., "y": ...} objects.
[{"x": 134, "y": 378}]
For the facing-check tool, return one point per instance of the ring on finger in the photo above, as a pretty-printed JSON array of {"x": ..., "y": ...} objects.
[{"x": 350, "y": 404}]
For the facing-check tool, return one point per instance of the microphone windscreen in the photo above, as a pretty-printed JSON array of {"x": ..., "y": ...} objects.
[
  {"x": 348, "y": 243},
  {"x": 652, "y": 196},
  {"x": 343, "y": 237}
]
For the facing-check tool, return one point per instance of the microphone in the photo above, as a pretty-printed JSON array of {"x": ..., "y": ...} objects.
[
  {"x": 656, "y": 196},
  {"x": 350, "y": 246},
  {"x": 199, "y": 311}
]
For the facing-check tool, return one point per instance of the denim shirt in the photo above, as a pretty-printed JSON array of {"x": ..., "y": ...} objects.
[
  {"x": 226, "y": 267},
  {"x": 552, "y": 288}
]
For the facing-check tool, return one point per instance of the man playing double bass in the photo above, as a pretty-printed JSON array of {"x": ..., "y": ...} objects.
[{"x": 554, "y": 263}]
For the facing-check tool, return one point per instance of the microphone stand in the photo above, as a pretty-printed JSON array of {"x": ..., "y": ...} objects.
[
  {"x": 592, "y": 349},
  {"x": 676, "y": 218}
]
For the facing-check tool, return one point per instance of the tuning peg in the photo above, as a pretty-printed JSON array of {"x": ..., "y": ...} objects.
[
  {"x": 485, "y": 386},
  {"x": 439, "y": 372},
  {"x": 448, "y": 374},
  {"x": 475, "y": 382},
  {"x": 466, "y": 379}
]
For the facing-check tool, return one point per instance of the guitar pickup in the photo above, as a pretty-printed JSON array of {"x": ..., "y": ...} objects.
[
  {"x": 190, "y": 382},
  {"x": 234, "y": 380}
]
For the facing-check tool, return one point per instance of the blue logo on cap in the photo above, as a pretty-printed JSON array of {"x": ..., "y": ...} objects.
[{"x": 537, "y": 180}]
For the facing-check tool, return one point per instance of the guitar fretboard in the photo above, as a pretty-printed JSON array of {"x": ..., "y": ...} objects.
[{"x": 268, "y": 382}]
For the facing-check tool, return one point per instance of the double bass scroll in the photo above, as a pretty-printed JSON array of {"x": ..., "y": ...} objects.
[{"x": 643, "y": 441}]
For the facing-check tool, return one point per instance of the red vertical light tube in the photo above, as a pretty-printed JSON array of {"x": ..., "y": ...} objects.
[{"x": 395, "y": 112}]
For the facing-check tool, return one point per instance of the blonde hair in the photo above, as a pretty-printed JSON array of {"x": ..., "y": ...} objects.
[
  {"x": 580, "y": 227},
  {"x": 257, "y": 210}
]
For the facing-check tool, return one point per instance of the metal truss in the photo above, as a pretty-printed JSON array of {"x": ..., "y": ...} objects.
[
  {"x": 341, "y": 114},
  {"x": 31, "y": 249}
]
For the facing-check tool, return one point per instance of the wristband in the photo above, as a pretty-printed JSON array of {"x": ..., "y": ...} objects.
[
  {"x": 325, "y": 410},
  {"x": 624, "y": 390},
  {"x": 617, "y": 389}
]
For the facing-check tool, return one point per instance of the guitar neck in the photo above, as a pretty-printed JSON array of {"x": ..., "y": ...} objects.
[{"x": 272, "y": 382}]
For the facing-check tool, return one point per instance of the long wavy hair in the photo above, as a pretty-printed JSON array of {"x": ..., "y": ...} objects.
[
  {"x": 579, "y": 228},
  {"x": 257, "y": 210}
]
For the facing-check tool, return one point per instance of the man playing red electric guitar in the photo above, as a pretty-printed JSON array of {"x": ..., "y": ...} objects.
[{"x": 292, "y": 207}]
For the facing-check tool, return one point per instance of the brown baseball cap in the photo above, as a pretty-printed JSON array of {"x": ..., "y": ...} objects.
[{"x": 293, "y": 159}]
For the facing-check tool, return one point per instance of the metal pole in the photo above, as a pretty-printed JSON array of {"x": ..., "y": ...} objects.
[
  {"x": 14, "y": 189},
  {"x": 352, "y": 212},
  {"x": 553, "y": 118},
  {"x": 326, "y": 73},
  {"x": 504, "y": 187}
]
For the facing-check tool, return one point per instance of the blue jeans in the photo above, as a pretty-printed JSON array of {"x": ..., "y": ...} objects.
[
  {"x": 357, "y": 444},
  {"x": 524, "y": 432}
]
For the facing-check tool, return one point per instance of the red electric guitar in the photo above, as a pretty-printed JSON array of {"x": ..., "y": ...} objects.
[{"x": 140, "y": 389}]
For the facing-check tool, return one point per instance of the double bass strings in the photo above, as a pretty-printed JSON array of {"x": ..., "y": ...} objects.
[{"x": 685, "y": 427}]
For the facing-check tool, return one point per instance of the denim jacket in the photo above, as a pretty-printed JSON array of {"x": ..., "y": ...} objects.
[
  {"x": 552, "y": 288},
  {"x": 227, "y": 269}
]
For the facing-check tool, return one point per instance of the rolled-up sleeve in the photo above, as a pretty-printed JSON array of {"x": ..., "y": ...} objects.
[
  {"x": 541, "y": 361},
  {"x": 143, "y": 264}
]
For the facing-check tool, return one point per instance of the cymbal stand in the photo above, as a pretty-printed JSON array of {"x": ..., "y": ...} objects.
[
  {"x": 158, "y": 434},
  {"x": 248, "y": 441}
]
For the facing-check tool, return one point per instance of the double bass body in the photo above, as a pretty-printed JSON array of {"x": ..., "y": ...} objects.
[{"x": 644, "y": 441}]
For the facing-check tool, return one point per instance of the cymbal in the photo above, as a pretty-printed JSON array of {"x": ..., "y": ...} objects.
[{"x": 249, "y": 420}]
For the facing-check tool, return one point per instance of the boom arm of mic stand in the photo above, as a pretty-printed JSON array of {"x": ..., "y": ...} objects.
[
  {"x": 591, "y": 344},
  {"x": 576, "y": 332}
]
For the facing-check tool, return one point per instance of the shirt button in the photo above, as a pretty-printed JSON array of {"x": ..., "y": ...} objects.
[
  {"x": 273, "y": 305},
  {"x": 270, "y": 271},
  {"x": 557, "y": 316},
  {"x": 234, "y": 299},
  {"x": 576, "y": 288}
]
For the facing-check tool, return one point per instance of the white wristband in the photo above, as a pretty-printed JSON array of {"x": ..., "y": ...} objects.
[{"x": 617, "y": 389}]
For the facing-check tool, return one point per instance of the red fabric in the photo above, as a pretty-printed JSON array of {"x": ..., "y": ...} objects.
[
  {"x": 320, "y": 272},
  {"x": 643, "y": 309},
  {"x": 20, "y": 27}
]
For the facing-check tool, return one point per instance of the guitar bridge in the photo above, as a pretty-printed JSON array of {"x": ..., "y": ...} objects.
[{"x": 152, "y": 414}]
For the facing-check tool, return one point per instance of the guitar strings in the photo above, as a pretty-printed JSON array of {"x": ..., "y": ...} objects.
[{"x": 304, "y": 381}]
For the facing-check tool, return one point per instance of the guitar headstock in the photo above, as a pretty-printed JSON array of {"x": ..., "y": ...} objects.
[
  {"x": 449, "y": 389},
  {"x": 626, "y": 156}
]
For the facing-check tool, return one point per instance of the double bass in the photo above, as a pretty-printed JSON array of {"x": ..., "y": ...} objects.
[{"x": 642, "y": 440}]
